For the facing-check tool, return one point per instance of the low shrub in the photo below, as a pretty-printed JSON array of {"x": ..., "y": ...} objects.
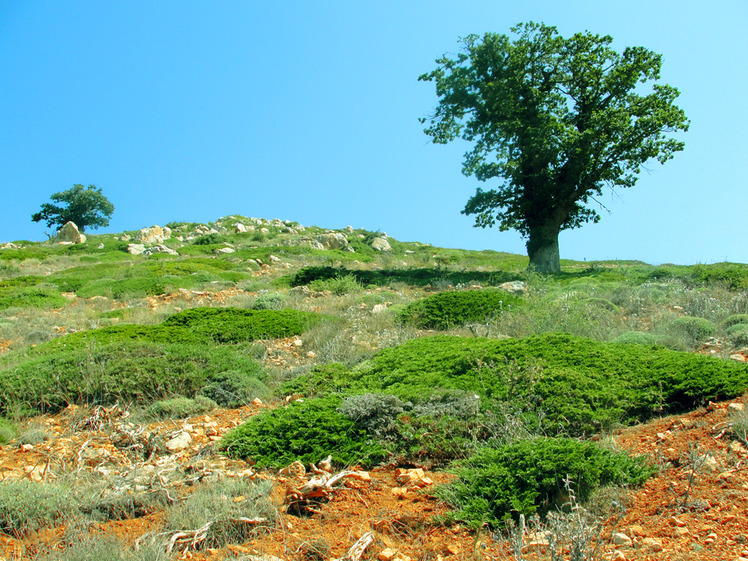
[
  {"x": 33, "y": 297},
  {"x": 638, "y": 338},
  {"x": 738, "y": 334},
  {"x": 8, "y": 431},
  {"x": 575, "y": 385},
  {"x": 736, "y": 319},
  {"x": 132, "y": 371},
  {"x": 269, "y": 302},
  {"x": 26, "y": 506},
  {"x": 377, "y": 414},
  {"x": 180, "y": 407},
  {"x": 307, "y": 431},
  {"x": 223, "y": 504},
  {"x": 689, "y": 332},
  {"x": 235, "y": 388},
  {"x": 339, "y": 285},
  {"x": 445, "y": 310},
  {"x": 230, "y": 325},
  {"x": 529, "y": 476}
]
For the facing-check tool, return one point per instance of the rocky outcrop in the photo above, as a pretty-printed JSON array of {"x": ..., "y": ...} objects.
[
  {"x": 332, "y": 240},
  {"x": 154, "y": 234},
  {"x": 69, "y": 234},
  {"x": 381, "y": 244}
]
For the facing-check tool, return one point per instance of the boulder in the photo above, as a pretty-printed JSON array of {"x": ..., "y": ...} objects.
[
  {"x": 135, "y": 248},
  {"x": 69, "y": 233},
  {"x": 381, "y": 244},
  {"x": 332, "y": 240},
  {"x": 154, "y": 234},
  {"x": 159, "y": 248},
  {"x": 514, "y": 287}
]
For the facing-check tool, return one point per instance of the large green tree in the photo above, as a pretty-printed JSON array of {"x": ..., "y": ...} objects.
[
  {"x": 553, "y": 121},
  {"x": 86, "y": 207}
]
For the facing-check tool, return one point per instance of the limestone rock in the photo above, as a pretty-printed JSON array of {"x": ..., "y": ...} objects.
[
  {"x": 736, "y": 406},
  {"x": 135, "y": 248},
  {"x": 652, "y": 544},
  {"x": 179, "y": 442},
  {"x": 154, "y": 234},
  {"x": 332, "y": 240},
  {"x": 69, "y": 233},
  {"x": 225, "y": 250},
  {"x": 381, "y": 244},
  {"x": 159, "y": 248},
  {"x": 514, "y": 287},
  {"x": 9, "y": 245},
  {"x": 621, "y": 539}
]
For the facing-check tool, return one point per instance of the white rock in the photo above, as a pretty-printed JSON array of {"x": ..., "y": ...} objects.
[
  {"x": 179, "y": 442},
  {"x": 381, "y": 244},
  {"x": 69, "y": 233},
  {"x": 621, "y": 539}
]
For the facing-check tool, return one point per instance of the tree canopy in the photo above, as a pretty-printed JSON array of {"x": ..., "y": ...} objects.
[
  {"x": 86, "y": 207},
  {"x": 554, "y": 120}
]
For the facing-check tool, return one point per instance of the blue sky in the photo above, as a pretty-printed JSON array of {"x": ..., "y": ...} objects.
[{"x": 308, "y": 111}]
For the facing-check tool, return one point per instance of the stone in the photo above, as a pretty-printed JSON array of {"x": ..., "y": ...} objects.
[
  {"x": 514, "y": 287},
  {"x": 225, "y": 250},
  {"x": 296, "y": 469},
  {"x": 332, "y": 240},
  {"x": 348, "y": 229},
  {"x": 159, "y": 248},
  {"x": 179, "y": 442},
  {"x": 739, "y": 357},
  {"x": 736, "y": 406},
  {"x": 378, "y": 308},
  {"x": 618, "y": 556},
  {"x": 652, "y": 544},
  {"x": 135, "y": 248},
  {"x": 381, "y": 244},
  {"x": 240, "y": 228},
  {"x": 621, "y": 539},
  {"x": 274, "y": 259},
  {"x": 69, "y": 233},
  {"x": 711, "y": 463},
  {"x": 154, "y": 234},
  {"x": 387, "y": 554}
]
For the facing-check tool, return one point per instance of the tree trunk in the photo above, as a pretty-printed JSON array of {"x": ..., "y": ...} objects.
[{"x": 542, "y": 249}]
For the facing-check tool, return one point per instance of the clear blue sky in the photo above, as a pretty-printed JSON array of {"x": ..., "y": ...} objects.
[{"x": 308, "y": 111}]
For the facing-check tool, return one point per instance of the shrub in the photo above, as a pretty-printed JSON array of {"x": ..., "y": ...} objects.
[
  {"x": 269, "y": 302},
  {"x": 234, "y": 388},
  {"x": 223, "y": 504},
  {"x": 31, "y": 298},
  {"x": 738, "y": 334},
  {"x": 637, "y": 338},
  {"x": 180, "y": 407},
  {"x": 736, "y": 319},
  {"x": 8, "y": 431},
  {"x": 210, "y": 239},
  {"x": 445, "y": 310},
  {"x": 306, "y": 431},
  {"x": 229, "y": 325},
  {"x": 338, "y": 285},
  {"x": 575, "y": 385},
  {"x": 528, "y": 477},
  {"x": 691, "y": 331},
  {"x": 377, "y": 414},
  {"x": 26, "y": 506},
  {"x": 133, "y": 371}
]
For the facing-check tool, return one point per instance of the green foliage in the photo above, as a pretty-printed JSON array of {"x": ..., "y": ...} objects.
[
  {"x": 26, "y": 506},
  {"x": 8, "y": 431},
  {"x": 230, "y": 325},
  {"x": 528, "y": 477},
  {"x": 180, "y": 407},
  {"x": 738, "y": 334},
  {"x": 86, "y": 207},
  {"x": 509, "y": 95},
  {"x": 235, "y": 388},
  {"x": 222, "y": 503},
  {"x": 445, "y": 310},
  {"x": 690, "y": 332},
  {"x": 338, "y": 285},
  {"x": 125, "y": 371},
  {"x": 34, "y": 297},
  {"x": 735, "y": 319},
  {"x": 415, "y": 277},
  {"x": 306, "y": 431},
  {"x": 210, "y": 239},
  {"x": 638, "y": 338},
  {"x": 573, "y": 385},
  {"x": 377, "y": 414},
  {"x": 269, "y": 302}
]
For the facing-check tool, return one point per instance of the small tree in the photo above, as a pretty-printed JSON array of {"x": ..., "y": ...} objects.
[
  {"x": 555, "y": 120},
  {"x": 86, "y": 207}
]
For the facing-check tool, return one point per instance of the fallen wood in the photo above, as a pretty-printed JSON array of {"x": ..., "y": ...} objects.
[{"x": 358, "y": 548}]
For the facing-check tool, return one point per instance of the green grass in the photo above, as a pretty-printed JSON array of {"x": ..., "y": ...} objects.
[{"x": 446, "y": 310}]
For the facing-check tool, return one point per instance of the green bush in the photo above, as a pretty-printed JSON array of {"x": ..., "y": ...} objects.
[
  {"x": 529, "y": 476},
  {"x": 180, "y": 407},
  {"x": 307, "y": 431},
  {"x": 26, "y": 506},
  {"x": 637, "y": 338},
  {"x": 738, "y": 334},
  {"x": 575, "y": 385},
  {"x": 235, "y": 388},
  {"x": 445, "y": 310},
  {"x": 33, "y": 297},
  {"x": 132, "y": 371},
  {"x": 377, "y": 414},
  {"x": 210, "y": 239},
  {"x": 230, "y": 325},
  {"x": 736, "y": 319},
  {"x": 690, "y": 332},
  {"x": 269, "y": 302},
  {"x": 8, "y": 431}
]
